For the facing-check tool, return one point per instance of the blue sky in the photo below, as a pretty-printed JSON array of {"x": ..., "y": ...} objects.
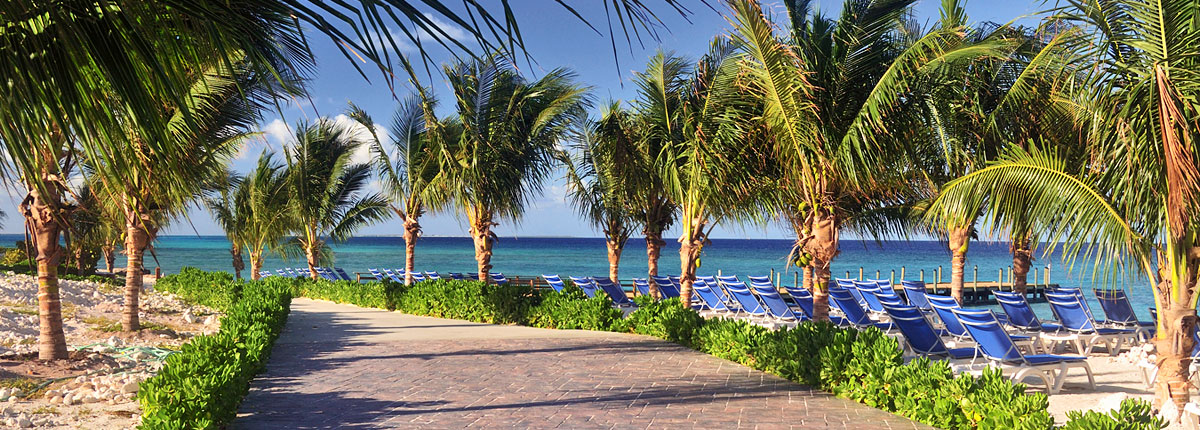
[{"x": 554, "y": 38}]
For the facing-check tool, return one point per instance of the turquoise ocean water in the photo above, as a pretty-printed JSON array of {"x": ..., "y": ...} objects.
[{"x": 586, "y": 257}]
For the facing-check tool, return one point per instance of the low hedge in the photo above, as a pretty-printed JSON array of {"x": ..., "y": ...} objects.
[
  {"x": 865, "y": 366},
  {"x": 201, "y": 386},
  {"x": 217, "y": 290}
]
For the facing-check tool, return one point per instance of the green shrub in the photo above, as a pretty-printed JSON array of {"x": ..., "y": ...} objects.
[
  {"x": 202, "y": 385},
  {"x": 572, "y": 310},
  {"x": 666, "y": 319},
  {"x": 217, "y": 290},
  {"x": 469, "y": 300},
  {"x": 1133, "y": 414},
  {"x": 368, "y": 295}
]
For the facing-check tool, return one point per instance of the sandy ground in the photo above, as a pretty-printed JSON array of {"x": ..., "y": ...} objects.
[{"x": 96, "y": 387}]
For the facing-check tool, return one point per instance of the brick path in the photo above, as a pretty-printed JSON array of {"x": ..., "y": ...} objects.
[{"x": 340, "y": 366}]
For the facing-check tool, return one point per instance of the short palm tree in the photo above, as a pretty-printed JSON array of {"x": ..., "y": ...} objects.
[
  {"x": 1130, "y": 205},
  {"x": 257, "y": 209},
  {"x": 828, "y": 90},
  {"x": 225, "y": 212},
  {"x": 326, "y": 187},
  {"x": 601, "y": 185},
  {"x": 508, "y": 146},
  {"x": 410, "y": 165}
]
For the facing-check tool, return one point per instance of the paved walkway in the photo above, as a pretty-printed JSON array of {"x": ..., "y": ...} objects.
[{"x": 339, "y": 366}]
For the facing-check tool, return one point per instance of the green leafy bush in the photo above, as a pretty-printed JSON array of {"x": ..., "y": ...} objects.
[
  {"x": 201, "y": 386},
  {"x": 469, "y": 300},
  {"x": 217, "y": 290},
  {"x": 572, "y": 310},
  {"x": 1133, "y": 414},
  {"x": 369, "y": 295},
  {"x": 666, "y": 319}
]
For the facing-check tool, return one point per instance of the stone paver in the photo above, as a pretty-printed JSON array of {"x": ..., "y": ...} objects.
[{"x": 340, "y": 366}]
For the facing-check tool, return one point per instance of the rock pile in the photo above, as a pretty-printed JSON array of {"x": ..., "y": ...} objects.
[{"x": 111, "y": 389}]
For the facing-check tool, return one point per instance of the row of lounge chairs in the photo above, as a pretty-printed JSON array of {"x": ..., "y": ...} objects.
[
  {"x": 397, "y": 275},
  {"x": 329, "y": 273}
]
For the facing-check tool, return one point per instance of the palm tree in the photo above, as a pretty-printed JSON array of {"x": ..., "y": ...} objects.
[
  {"x": 254, "y": 212},
  {"x": 225, "y": 212},
  {"x": 1139, "y": 103},
  {"x": 828, "y": 91},
  {"x": 222, "y": 106},
  {"x": 601, "y": 182},
  {"x": 508, "y": 146},
  {"x": 410, "y": 166},
  {"x": 713, "y": 159},
  {"x": 324, "y": 185}
]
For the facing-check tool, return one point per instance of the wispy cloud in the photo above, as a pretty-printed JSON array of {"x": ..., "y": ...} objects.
[{"x": 405, "y": 43}]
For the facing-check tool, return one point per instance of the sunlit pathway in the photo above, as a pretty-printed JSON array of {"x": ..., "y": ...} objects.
[{"x": 340, "y": 366}]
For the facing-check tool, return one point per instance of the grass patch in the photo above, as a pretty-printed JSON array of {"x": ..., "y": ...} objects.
[
  {"x": 108, "y": 325},
  {"x": 45, "y": 410},
  {"x": 25, "y": 311},
  {"x": 26, "y": 385}
]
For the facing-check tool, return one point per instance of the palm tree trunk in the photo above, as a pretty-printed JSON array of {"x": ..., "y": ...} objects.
[
  {"x": 654, "y": 244},
  {"x": 614, "y": 261},
  {"x": 1022, "y": 258},
  {"x": 238, "y": 264},
  {"x": 310, "y": 255},
  {"x": 688, "y": 251},
  {"x": 959, "y": 238},
  {"x": 80, "y": 255},
  {"x": 137, "y": 238},
  {"x": 823, "y": 248},
  {"x": 43, "y": 225},
  {"x": 256, "y": 263},
  {"x": 110, "y": 257},
  {"x": 1177, "y": 321},
  {"x": 481, "y": 234},
  {"x": 808, "y": 277},
  {"x": 412, "y": 230}
]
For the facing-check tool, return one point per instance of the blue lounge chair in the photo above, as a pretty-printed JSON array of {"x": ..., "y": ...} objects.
[
  {"x": 398, "y": 278},
  {"x": 342, "y": 274},
  {"x": 666, "y": 286},
  {"x": 1119, "y": 311},
  {"x": 921, "y": 337},
  {"x": 288, "y": 272},
  {"x": 1074, "y": 316},
  {"x": 642, "y": 286},
  {"x": 457, "y": 276},
  {"x": 747, "y": 302},
  {"x": 499, "y": 278},
  {"x": 943, "y": 307},
  {"x": 473, "y": 276},
  {"x": 760, "y": 280},
  {"x": 585, "y": 284},
  {"x": 853, "y": 313},
  {"x": 775, "y": 305},
  {"x": 998, "y": 347},
  {"x": 433, "y": 276},
  {"x": 868, "y": 294},
  {"x": 728, "y": 279},
  {"x": 709, "y": 300},
  {"x": 555, "y": 282},
  {"x": 801, "y": 298},
  {"x": 914, "y": 291},
  {"x": 1020, "y": 314},
  {"x": 375, "y": 273},
  {"x": 854, "y": 291},
  {"x": 417, "y": 277},
  {"x": 617, "y": 294},
  {"x": 265, "y": 274}
]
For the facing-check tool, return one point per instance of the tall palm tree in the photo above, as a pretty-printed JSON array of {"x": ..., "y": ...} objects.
[
  {"x": 222, "y": 106},
  {"x": 601, "y": 185},
  {"x": 410, "y": 166},
  {"x": 509, "y": 142},
  {"x": 326, "y": 187},
  {"x": 828, "y": 90},
  {"x": 1131, "y": 204}
]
